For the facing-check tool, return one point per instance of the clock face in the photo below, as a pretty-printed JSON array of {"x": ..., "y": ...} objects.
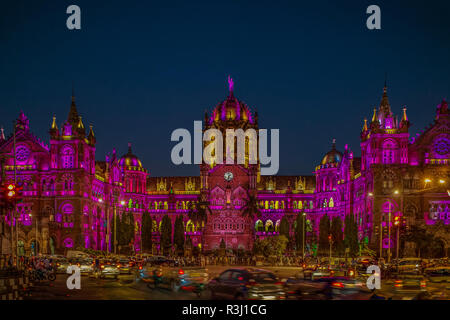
[
  {"x": 442, "y": 146},
  {"x": 228, "y": 176},
  {"x": 22, "y": 153}
]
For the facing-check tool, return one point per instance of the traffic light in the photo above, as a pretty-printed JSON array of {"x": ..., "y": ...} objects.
[
  {"x": 396, "y": 220},
  {"x": 11, "y": 193}
]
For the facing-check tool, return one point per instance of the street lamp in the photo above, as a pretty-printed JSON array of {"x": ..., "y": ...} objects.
[
  {"x": 36, "y": 241},
  {"x": 396, "y": 192},
  {"x": 441, "y": 181},
  {"x": 330, "y": 239},
  {"x": 370, "y": 194},
  {"x": 303, "y": 247},
  {"x": 397, "y": 224}
]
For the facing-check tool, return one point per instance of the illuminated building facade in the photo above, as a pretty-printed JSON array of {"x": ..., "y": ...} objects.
[{"x": 69, "y": 198}]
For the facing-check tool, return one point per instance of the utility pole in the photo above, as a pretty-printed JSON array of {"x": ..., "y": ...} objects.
[
  {"x": 330, "y": 240},
  {"x": 304, "y": 218},
  {"x": 115, "y": 228},
  {"x": 381, "y": 238},
  {"x": 389, "y": 234},
  {"x": 13, "y": 213}
]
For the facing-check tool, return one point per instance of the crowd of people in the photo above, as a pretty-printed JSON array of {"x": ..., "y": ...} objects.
[{"x": 38, "y": 266}]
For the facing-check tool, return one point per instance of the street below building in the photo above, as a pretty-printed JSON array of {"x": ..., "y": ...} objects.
[{"x": 130, "y": 287}]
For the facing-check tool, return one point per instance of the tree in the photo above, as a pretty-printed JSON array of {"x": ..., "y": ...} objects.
[
  {"x": 299, "y": 228},
  {"x": 337, "y": 235},
  {"x": 251, "y": 209},
  {"x": 166, "y": 234},
  {"x": 427, "y": 243},
  {"x": 199, "y": 214},
  {"x": 284, "y": 227},
  {"x": 271, "y": 246},
  {"x": 178, "y": 234},
  {"x": 351, "y": 235},
  {"x": 146, "y": 232},
  {"x": 324, "y": 232}
]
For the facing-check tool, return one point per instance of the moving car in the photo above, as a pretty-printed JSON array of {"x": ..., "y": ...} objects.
[
  {"x": 438, "y": 274},
  {"x": 124, "y": 266},
  {"x": 193, "y": 279},
  {"x": 408, "y": 265},
  {"x": 62, "y": 265},
  {"x": 409, "y": 282},
  {"x": 85, "y": 265},
  {"x": 108, "y": 269},
  {"x": 327, "y": 288},
  {"x": 247, "y": 283}
]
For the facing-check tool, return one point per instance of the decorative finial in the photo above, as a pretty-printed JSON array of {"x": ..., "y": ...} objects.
[
  {"x": 405, "y": 117},
  {"x": 2, "y": 136},
  {"x": 385, "y": 81},
  {"x": 73, "y": 93},
  {"x": 129, "y": 147},
  {"x": 230, "y": 84},
  {"x": 334, "y": 143}
]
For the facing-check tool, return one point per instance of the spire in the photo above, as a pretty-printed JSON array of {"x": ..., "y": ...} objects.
[
  {"x": 2, "y": 134},
  {"x": 80, "y": 123},
  {"x": 334, "y": 145},
  {"x": 91, "y": 131},
  {"x": 129, "y": 148},
  {"x": 365, "y": 125},
  {"x": 91, "y": 136},
  {"x": 54, "y": 132},
  {"x": 374, "y": 117},
  {"x": 405, "y": 117},
  {"x": 73, "y": 113},
  {"x": 385, "y": 106},
  {"x": 54, "y": 125}
]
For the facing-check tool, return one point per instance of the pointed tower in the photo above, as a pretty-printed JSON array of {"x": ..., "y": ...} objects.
[
  {"x": 54, "y": 131},
  {"x": 386, "y": 141}
]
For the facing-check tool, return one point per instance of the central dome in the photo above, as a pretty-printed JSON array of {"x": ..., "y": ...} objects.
[
  {"x": 231, "y": 109},
  {"x": 332, "y": 156},
  {"x": 130, "y": 160}
]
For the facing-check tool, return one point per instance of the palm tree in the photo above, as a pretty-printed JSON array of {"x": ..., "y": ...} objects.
[
  {"x": 251, "y": 209},
  {"x": 199, "y": 215}
]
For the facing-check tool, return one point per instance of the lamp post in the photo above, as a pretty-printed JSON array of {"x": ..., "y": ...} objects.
[
  {"x": 330, "y": 240},
  {"x": 107, "y": 226},
  {"x": 303, "y": 246},
  {"x": 36, "y": 241},
  {"x": 389, "y": 229},
  {"x": 397, "y": 224}
]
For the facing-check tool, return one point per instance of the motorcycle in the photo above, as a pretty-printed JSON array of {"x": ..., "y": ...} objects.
[{"x": 38, "y": 275}]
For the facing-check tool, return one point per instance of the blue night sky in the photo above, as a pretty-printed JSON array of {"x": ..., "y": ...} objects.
[{"x": 144, "y": 68}]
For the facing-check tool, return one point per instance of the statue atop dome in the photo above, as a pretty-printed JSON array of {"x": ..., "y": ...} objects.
[{"x": 230, "y": 84}]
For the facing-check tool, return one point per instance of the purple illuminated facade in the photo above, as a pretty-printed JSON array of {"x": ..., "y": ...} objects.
[{"x": 69, "y": 197}]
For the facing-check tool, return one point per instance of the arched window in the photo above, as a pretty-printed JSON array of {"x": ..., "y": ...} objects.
[
  {"x": 277, "y": 225},
  {"x": 331, "y": 203},
  {"x": 389, "y": 147},
  {"x": 294, "y": 205},
  {"x": 190, "y": 227},
  {"x": 269, "y": 225},
  {"x": 259, "y": 226},
  {"x": 67, "y": 215},
  {"x": 67, "y": 157}
]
